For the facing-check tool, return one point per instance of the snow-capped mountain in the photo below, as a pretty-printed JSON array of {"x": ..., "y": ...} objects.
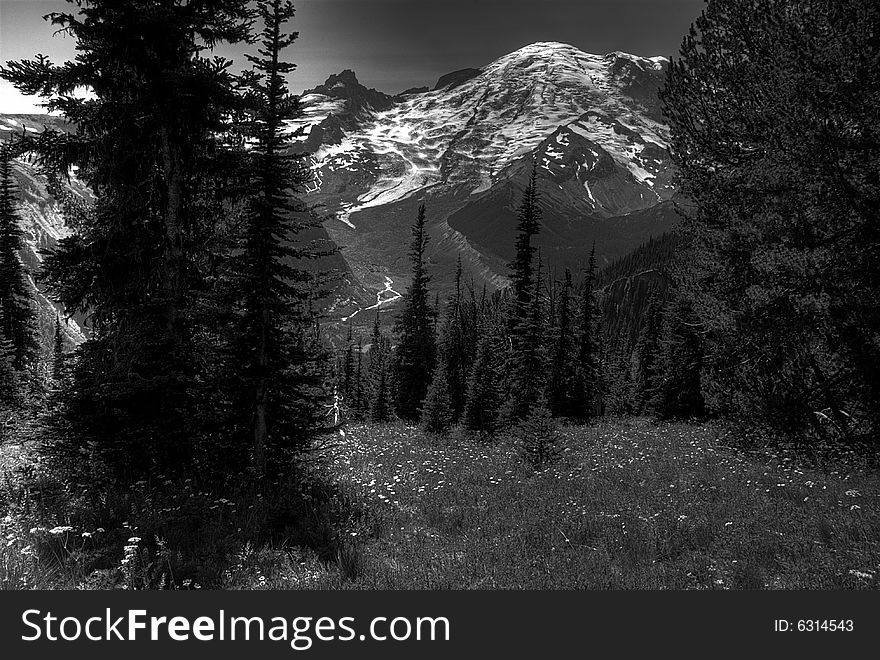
[{"x": 465, "y": 148}]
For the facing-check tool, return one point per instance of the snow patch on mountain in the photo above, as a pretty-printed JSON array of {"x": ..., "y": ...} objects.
[{"x": 315, "y": 109}]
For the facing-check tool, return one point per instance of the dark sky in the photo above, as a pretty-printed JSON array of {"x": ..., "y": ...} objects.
[{"x": 396, "y": 44}]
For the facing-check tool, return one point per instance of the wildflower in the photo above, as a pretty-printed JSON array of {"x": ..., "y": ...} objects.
[
  {"x": 862, "y": 575},
  {"x": 60, "y": 530}
]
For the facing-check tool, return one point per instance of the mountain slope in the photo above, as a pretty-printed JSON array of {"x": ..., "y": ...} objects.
[{"x": 592, "y": 122}]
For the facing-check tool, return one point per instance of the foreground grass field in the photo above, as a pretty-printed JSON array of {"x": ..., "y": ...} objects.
[{"x": 630, "y": 505}]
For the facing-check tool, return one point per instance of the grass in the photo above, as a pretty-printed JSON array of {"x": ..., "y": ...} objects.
[{"x": 630, "y": 505}]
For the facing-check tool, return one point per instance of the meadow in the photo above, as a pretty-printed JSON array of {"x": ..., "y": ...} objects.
[{"x": 630, "y": 504}]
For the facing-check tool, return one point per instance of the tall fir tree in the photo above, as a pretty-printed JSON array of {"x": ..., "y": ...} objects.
[
  {"x": 566, "y": 383},
  {"x": 18, "y": 319},
  {"x": 380, "y": 407},
  {"x": 347, "y": 368},
  {"x": 416, "y": 347},
  {"x": 437, "y": 413},
  {"x": 456, "y": 340},
  {"x": 485, "y": 391},
  {"x": 539, "y": 439},
  {"x": 379, "y": 404},
  {"x": 284, "y": 363},
  {"x": 148, "y": 144},
  {"x": 646, "y": 358},
  {"x": 523, "y": 266},
  {"x": 524, "y": 316},
  {"x": 359, "y": 403},
  {"x": 527, "y": 359},
  {"x": 377, "y": 341},
  {"x": 587, "y": 389},
  {"x": 619, "y": 383}
]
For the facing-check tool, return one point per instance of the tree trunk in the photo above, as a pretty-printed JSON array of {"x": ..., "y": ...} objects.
[
  {"x": 262, "y": 395},
  {"x": 174, "y": 232}
]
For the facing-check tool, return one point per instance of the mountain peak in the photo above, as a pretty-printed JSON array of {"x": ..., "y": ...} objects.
[
  {"x": 346, "y": 87},
  {"x": 344, "y": 78},
  {"x": 547, "y": 47},
  {"x": 544, "y": 51},
  {"x": 556, "y": 50}
]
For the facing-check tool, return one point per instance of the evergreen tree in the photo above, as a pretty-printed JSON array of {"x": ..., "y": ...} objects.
[
  {"x": 416, "y": 349},
  {"x": 619, "y": 388},
  {"x": 678, "y": 393},
  {"x": 376, "y": 343},
  {"x": 527, "y": 374},
  {"x": 348, "y": 374},
  {"x": 646, "y": 358},
  {"x": 283, "y": 361},
  {"x": 458, "y": 345},
  {"x": 587, "y": 389},
  {"x": 539, "y": 439},
  {"x": 379, "y": 408},
  {"x": 566, "y": 386},
  {"x": 525, "y": 356},
  {"x": 485, "y": 392},
  {"x": 18, "y": 321},
  {"x": 437, "y": 413},
  {"x": 149, "y": 144},
  {"x": 359, "y": 403},
  {"x": 772, "y": 106},
  {"x": 523, "y": 267}
]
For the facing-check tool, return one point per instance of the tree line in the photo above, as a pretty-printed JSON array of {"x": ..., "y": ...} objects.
[{"x": 536, "y": 350}]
